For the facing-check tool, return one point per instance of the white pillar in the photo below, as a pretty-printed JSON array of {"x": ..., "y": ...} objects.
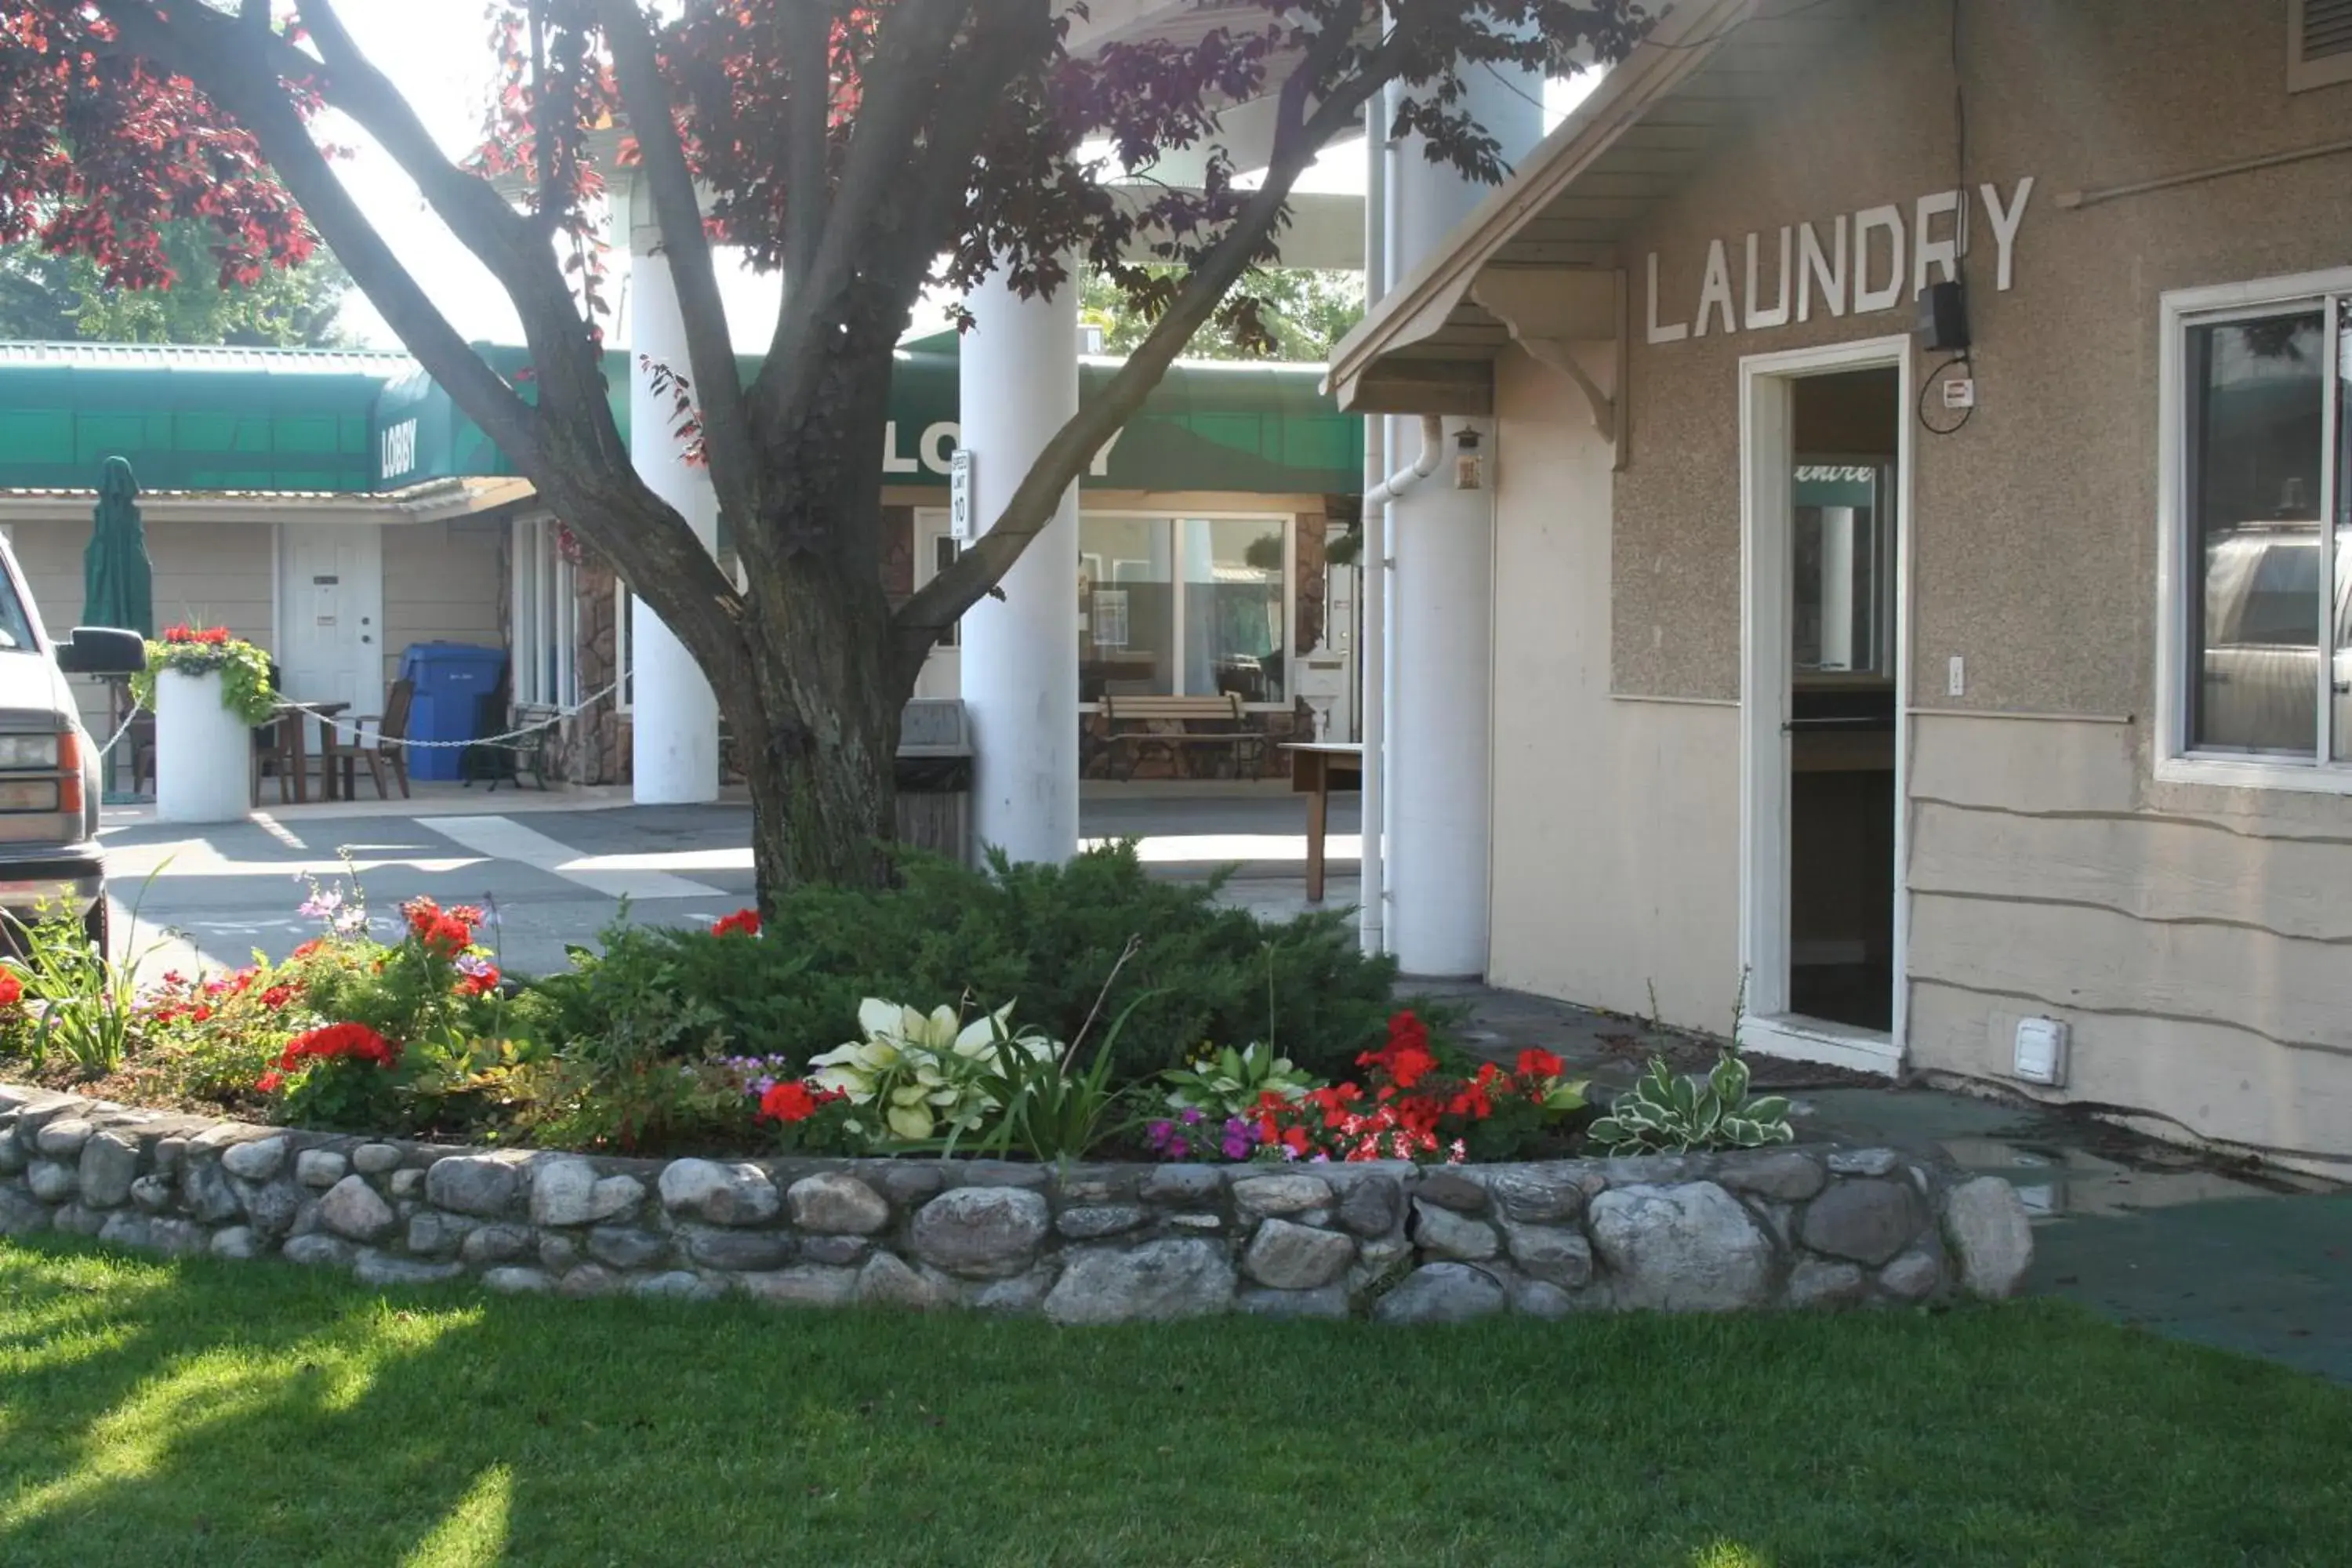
[
  {"x": 1019, "y": 385},
  {"x": 1440, "y": 654},
  {"x": 674, "y": 729}
]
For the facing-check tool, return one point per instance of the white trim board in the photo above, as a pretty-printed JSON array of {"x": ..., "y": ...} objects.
[{"x": 1766, "y": 456}]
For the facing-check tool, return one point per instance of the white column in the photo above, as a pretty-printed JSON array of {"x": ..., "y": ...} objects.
[
  {"x": 674, "y": 732},
  {"x": 1440, "y": 654},
  {"x": 1019, "y": 385}
]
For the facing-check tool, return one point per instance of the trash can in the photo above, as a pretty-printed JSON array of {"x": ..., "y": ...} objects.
[
  {"x": 934, "y": 777},
  {"x": 451, "y": 679}
]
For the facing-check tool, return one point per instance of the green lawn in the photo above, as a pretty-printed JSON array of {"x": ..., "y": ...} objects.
[{"x": 213, "y": 1413}]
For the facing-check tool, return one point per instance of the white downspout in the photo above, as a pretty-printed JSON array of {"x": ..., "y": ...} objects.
[{"x": 1374, "y": 890}]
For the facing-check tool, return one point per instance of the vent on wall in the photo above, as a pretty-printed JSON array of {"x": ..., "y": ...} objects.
[{"x": 2318, "y": 43}]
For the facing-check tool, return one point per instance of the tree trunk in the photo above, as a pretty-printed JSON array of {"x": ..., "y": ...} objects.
[{"x": 816, "y": 728}]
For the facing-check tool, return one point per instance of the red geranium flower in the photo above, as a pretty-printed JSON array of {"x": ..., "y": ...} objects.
[
  {"x": 356, "y": 1041},
  {"x": 742, "y": 922},
  {"x": 446, "y": 935},
  {"x": 1539, "y": 1064},
  {"x": 478, "y": 984},
  {"x": 794, "y": 1100},
  {"x": 305, "y": 950},
  {"x": 12, "y": 989},
  {"x": 271, "y": 1081},
  {"x": 276, "y": 996}
]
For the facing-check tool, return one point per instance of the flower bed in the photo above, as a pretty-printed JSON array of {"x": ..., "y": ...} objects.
[{"x": 1082, "y": 1243}]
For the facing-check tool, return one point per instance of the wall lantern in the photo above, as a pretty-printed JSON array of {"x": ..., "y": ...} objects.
[{"x": 1467, "y": 474}]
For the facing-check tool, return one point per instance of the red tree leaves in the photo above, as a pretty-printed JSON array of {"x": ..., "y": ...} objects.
[{"x": 98, "y": 150}]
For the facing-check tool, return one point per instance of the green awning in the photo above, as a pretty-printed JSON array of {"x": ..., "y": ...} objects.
[
  {"x": 189, "y": 418},
  {"x": 292, "y": 420}
]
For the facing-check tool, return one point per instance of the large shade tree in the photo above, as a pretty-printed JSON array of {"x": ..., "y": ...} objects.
[{"x": 863, "y": 149}]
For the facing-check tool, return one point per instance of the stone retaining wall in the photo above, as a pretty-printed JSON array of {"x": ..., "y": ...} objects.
[{"x": 1090, "y": 1244}]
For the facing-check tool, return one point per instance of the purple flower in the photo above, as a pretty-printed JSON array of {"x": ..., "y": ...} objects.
[
  {"x": 320, "y": 905},
  {"x": 1178, "y": 1149},
  {"x": 1192, "y": 1114},
  {"x": 1160, "y": 1131},
  {"x": 472, "y": 966},
  {"x": 1237, "y": 1146}
]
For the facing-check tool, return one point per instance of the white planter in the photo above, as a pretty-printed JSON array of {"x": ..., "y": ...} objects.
[{"x": 203, "y": 753}]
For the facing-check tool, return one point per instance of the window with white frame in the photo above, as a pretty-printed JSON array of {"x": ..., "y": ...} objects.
[
  {"x": 546, "y": 620},
  {"x": 2259, "y": 534},
  {"x": 1184, "y": 606}
]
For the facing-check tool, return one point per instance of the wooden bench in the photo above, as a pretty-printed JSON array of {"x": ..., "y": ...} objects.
[{"x": 1180, "y": 726}]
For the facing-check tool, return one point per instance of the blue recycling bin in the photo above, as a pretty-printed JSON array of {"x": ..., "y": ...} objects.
[{"x": 451, "y": 679}]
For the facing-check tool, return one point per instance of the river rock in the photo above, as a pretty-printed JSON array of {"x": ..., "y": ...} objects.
[
  {"x": 1257, "y": 1196},
  {"x": 1687, "y": 1248},
  {"x": 255, "y": 1161},
  {"x": 737, "y": 1193},
  {"x": 1443, "y": 1293},
  {"x": 1782, "y": 1174},
  {"x": 1155, "y": 1282},
  {"x": 1986, "y": 1223},
  {"x": 1290, "y": 1257},
  {"x": 803, "y": 1285},
  {"x": 982, "y": 1232},
  {"x": 1559, "y": 1256},
  {"x": 1866, "y": 1221},
  {"x": 836, "y": 1204},
  {"x": 887, "y": 1282},
  {"x": 1445, "y": 1233},
  {"x": 320, "y": 1168},
  {"x": 110, "y": 1160},
  {"x": 353, "y": 1209},
  {"x": 484, "y": 1184}
]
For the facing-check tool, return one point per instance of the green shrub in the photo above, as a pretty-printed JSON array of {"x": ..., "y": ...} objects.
[{"x": 1044, "y": 938}]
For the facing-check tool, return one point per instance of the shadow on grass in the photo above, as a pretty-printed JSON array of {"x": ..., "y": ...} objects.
[{"x": 206, "y": 1413}]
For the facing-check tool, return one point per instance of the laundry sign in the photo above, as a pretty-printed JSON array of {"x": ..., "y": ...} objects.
[{"x": 1877, "y": 258}]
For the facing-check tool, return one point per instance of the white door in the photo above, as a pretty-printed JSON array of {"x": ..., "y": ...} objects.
[
  {"x": 330, "y": 613},
  {"x": 942, "y": 673}
]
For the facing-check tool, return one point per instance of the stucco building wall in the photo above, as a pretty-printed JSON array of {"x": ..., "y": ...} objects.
[{"x": 2188, "y": 932}]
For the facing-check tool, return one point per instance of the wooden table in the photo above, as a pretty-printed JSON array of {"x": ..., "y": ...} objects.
[
  {"x": 1316, "y": 767},
  {"x": 299, "y": 715}
]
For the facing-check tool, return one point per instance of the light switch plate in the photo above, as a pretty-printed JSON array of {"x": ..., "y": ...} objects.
[{"x": 1956, "y": 683}]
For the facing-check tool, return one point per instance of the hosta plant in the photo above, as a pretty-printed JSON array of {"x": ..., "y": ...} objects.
[
  {"x": 918, "y": 1075},
  {"x": 1226, "y": 1082},
  {"x": 1667, "y": 1113}
]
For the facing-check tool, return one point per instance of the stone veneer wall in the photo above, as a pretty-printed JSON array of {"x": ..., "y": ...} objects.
[{"x": 1797, "y": 1227}]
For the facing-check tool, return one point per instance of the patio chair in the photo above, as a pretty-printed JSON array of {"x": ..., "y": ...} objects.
[{"x": 377, "y": 740}]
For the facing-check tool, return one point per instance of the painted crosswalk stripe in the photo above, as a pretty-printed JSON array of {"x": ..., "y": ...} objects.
[{"x": 503, "y": 838}]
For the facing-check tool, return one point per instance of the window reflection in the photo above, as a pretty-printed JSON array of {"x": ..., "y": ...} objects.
[
  {"x": 1182, "y": 607},
  {"x": 2256, "y": 444}
]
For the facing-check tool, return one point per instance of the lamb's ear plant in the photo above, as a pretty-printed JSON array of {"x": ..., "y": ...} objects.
[{"x": 1666, "y": 1113}]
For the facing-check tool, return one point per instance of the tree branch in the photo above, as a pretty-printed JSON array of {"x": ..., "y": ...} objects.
[
  {"x": 912, "y": 45},
  {"x": 686, "y": 251},
  {"x": 231, "y": 74},
  {"x": 941, "y": 603},
  {"x": 806, "y": 29}
]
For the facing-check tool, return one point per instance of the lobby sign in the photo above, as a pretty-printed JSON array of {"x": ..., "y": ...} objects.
[{"x": 1878, "y": 258}]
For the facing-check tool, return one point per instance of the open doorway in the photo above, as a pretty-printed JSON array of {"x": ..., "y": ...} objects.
[
  {"x": 1842, "y": 561},
  {"x": 1826, "y": 448}
]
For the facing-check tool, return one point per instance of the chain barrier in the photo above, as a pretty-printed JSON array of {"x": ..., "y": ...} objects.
[{"x": 355, "y": 728}]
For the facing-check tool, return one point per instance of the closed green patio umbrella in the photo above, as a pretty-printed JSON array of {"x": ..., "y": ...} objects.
[{"x": 118, "y": 582}]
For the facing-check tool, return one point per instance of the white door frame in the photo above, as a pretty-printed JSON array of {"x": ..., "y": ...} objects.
[{"x": 1766, "y": 456}]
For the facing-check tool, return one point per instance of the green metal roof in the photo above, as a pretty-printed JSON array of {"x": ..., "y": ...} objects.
[{"x": 215, "y": 420}]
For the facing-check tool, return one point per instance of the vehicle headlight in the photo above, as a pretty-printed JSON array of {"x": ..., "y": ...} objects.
[{"x": 28, "y": 751}]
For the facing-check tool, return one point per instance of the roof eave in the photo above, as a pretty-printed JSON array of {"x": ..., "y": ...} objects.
[{"x": 1421, "y": 300}]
